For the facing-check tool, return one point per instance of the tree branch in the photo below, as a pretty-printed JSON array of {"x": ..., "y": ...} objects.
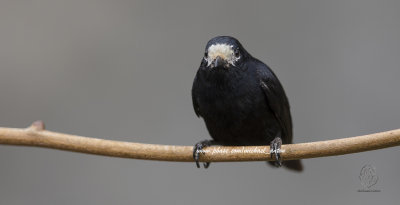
[{"x": 36, "y": 135}]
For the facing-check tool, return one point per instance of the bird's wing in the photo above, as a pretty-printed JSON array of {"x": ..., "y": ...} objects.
[
  {"x": 276, "y": 99},
  {"x": 194, "y": 96}
]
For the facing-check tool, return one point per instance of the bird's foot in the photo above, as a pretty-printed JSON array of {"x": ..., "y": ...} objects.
[
  {"x": 197, "y": 149},
  {"x": 275, "y": 149}
]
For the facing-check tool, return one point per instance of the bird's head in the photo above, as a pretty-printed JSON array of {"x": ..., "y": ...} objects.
[{"x": 223, "y": 52}]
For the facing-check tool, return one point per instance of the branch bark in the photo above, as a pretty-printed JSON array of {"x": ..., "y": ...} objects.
[{"x": 36, "y": 135}]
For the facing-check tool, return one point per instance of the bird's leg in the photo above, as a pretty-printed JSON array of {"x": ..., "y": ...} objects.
[
  {"x": 198, "y": 148},
  {"x": 275, "y": 149}
]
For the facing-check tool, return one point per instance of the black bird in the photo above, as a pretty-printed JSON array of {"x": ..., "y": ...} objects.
[{"x": 241, "y": 101}]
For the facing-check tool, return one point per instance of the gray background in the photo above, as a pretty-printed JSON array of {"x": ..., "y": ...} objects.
[{"x": 123, "y": 70}]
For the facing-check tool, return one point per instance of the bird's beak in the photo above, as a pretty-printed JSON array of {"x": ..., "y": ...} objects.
[{"x": 219, "y": 62}]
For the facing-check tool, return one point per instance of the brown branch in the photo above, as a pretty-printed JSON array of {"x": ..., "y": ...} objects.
[{"x": 35, "y": 135}]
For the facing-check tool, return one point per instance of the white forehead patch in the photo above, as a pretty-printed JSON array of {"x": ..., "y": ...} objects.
[{"x": 224, "y": 51}]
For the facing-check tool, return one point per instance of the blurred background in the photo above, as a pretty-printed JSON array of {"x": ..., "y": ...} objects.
[{"x": 123, "y": 70}]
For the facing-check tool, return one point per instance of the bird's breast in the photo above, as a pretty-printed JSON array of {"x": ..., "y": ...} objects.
[
  {"x": 235, "y": 111},
  {"x": 230, "y": 102}
]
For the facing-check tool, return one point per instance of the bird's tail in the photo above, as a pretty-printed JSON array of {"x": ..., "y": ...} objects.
[{"x": 294, "y": 165}]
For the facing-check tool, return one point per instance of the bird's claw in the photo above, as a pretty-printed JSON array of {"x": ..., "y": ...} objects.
[
  {"x": 197, "y": 149},
  {"x": 275, "y": 149}
]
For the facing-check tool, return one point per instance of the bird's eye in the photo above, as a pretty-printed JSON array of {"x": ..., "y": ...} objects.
[
  {"x": 237, "y": 53},
  {"x": 205, "y": 54}
]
